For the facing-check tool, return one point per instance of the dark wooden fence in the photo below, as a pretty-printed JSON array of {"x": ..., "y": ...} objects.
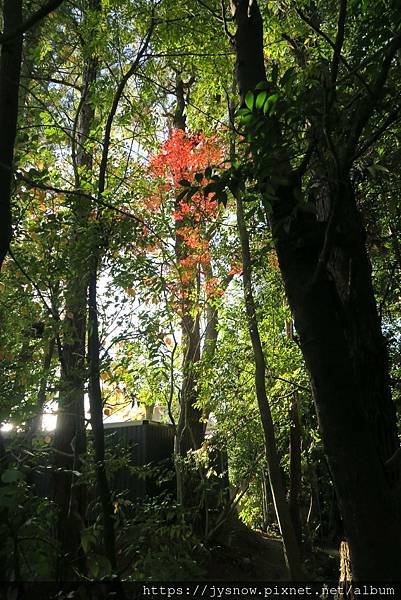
[
  {"x": 147, "y": 448},
  {"x": 145, "y": 443}
]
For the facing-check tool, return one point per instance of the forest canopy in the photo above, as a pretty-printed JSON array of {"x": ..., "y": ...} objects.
[{"x": 200, "y": 290}]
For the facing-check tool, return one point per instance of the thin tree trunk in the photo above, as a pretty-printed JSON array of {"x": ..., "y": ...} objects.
[
  {"x": 41, "y": 399},
  {"x": 211, "y": 337},
  {"x": 295, "y": 452},
  {"x": 291, "y": 548},
  {"x": 295, "y": 467},
  {"x": 70, "y": 436},
  {"x": 190, "y": 431},
  {"x": 96, "y": 410},
  {"x": 10, "y": 71}
]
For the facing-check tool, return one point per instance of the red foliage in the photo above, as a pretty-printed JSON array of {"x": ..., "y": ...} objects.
[{"x": 181, "y": 157}]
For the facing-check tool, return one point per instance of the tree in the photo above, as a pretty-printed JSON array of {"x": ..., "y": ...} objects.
[
  {"x": 11, "y": 42},
  {"x": 181, "y": 157},
  {"x": 327, "y": 276},
  {"x": 10, "y": 70}
]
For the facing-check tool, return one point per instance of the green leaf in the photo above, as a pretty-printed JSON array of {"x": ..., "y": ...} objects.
[
  {"x": 260, "y": 99},
  {"x": 93, "y": 566},
  {"x": 249, "y": 100},
  {"x": 185, "y": 183},
  {"x": 103, "y": 565},
  {"x": 287, "y": 77},
  {"x": 11, "y": 476},
  {"x": 247, "y": 119},
  {"x": 270, "y": 103}
]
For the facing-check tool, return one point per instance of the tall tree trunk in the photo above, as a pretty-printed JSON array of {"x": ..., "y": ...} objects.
[
  {"x": 96, "y": 410},
  {"x": 294, "y": 491},
  {"x": 10, "y": 72},
  {"x": 328, "y": 282},
  {"x": 35, "y": 424},
  {"x": 211, "y": 335},
  {"x": 291, "y": 548},
  {"x": 190, "y": 433},
  {"x": 339, "y": 330},
  {"x": 70, "y": 436}
]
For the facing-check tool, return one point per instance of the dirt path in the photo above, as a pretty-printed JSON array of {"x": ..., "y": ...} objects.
[{"x": 247, "y": 555}]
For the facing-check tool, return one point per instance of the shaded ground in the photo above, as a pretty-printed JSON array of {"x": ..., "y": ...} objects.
[{"x": 247, "y": 555}]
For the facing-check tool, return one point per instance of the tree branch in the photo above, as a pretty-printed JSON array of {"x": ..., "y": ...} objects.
[
  {"x": 98, "y": 200},
  {"x": 114, "y": 106},
  {"x": 369, "y": 103},
  {"x": 330, "y": 42},
  {"x": 210, "y": 10},
  {"x": 393, "y": 117},
  {"x": 41, "y": 13},
  {"x": 339, "y": 41}
]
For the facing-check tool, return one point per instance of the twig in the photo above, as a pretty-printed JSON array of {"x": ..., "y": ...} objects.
[
  {"x": 393, "y": 117},
  {"x": 327, "y": 38},
  {"x": 225, "y": 21},
  {"x": 114, "y": 106},
  {"x": 368, "y": 104},
  {"x": 100, "y": 201}
]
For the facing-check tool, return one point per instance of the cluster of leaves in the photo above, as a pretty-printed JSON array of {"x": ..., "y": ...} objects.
[
  {"x": 156, "y": 541},
  {"x": 179, "y": 163}
]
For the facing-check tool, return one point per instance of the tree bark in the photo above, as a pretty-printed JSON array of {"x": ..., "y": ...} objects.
[
  {"x": 291, "y": 548},
  {"x": 70, "y": 436},
  {"x": 10, "y": 71},
  {"x": 35, "y": 424},
  {"x": 339, "y": 331},
  {"x": 294, "y": 491},
  {"x": 328, "y": 282},
  {"x": 190, "y": 431},
  {"x": 96, "y": 410}
]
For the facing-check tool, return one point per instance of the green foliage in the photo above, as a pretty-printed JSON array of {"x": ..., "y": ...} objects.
[
  {"x": 27, "y": 550},
  {"x": 297, "y": 117},
  {"x": 157, "y": 542}
]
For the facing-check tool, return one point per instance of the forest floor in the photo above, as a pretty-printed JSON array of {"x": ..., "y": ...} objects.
[{"x": 248, "y": 555}]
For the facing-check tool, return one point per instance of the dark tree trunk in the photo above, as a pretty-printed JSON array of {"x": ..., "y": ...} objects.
[
  {"x": 96, "y": 410},
  {"x": 41, "y": 399},
  {"x": 10, "y": 71},
  {"x": 328, "y": 282},
  {"x": 70, "y": 436},
  {"x": 190, "y": 431},
  {"x": 295, "y": 449},
  {"x": 291, "y": 547},
  {"x": 339, "y": 330}
]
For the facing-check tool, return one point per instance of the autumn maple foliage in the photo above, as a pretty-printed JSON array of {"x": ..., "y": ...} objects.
[{"x": 182, "y": 157}]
